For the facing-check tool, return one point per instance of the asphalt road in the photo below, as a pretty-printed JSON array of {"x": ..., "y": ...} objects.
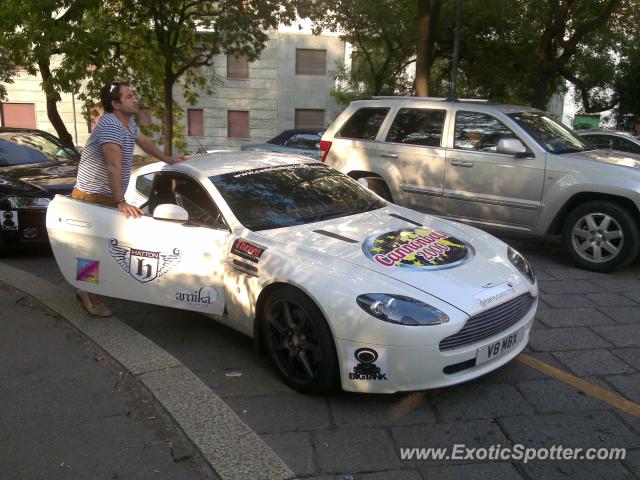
[{"x": 583, "y": 393}]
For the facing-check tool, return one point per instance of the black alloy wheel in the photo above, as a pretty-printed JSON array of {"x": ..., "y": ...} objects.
[{"x": 299, "y": 342}]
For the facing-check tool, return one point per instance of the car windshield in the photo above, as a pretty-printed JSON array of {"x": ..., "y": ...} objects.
[
  {"x": 20, "y": 148},
  {"x": 287, "y": 195},
  {"x": 550, "y": 135}
]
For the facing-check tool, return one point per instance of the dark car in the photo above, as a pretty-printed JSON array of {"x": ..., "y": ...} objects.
[
  {"x": 300, "y": 141},
  {"x": 34, "y": 166}
]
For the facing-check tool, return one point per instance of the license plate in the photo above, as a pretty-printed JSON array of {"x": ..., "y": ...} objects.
[{"x": 495, "y": 349}]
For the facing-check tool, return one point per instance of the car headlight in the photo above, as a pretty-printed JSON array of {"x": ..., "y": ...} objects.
[
  {"x": 521, "y": 264},
  {"x": 26, "y": 202},
  {"x": 400, "y": 309}
]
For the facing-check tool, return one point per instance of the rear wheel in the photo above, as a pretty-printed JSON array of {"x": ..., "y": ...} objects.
[
  {"x": 601, "y": 236},
  {"x": 377, "y": 186},
  {"x": 299, "y": 342}
]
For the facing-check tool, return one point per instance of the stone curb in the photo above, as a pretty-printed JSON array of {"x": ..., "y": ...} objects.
[{"x": 232, "y": 449}]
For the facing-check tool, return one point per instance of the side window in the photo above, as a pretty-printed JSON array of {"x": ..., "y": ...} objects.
[
  {"x": 303, "y": 140},
  {"x": 480, "y": 132},
  {"x": 624, "y": 145},
  {"x": 363, "y": 124},
  {"x": 144, "y": 183},
  {"x": 598, "y": 141},
  {"x": 417, "y": 126},
  {"x": 189, "y": 194}
]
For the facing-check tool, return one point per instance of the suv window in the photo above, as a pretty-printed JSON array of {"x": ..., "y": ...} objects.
[
  {"x": 417, "y": 126},
  {"x": 479, "y": 131},
  {"x": 363, "y": 124}
]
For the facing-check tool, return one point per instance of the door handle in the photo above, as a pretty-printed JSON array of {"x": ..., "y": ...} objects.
[
  {"x": 461, "y": 163},
  {"x": 389, "y": 155},
  {"x": 79, "y": 223}
]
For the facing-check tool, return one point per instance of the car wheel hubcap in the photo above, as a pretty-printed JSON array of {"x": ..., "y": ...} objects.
[
  {"x": 597, "y": 237},
  {"x": 293, "y": 341}
]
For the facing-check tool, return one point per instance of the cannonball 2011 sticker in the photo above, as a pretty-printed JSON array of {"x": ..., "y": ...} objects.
[{"x": 417, "y": 248}]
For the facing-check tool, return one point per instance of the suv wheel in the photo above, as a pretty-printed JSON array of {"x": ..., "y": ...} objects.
[
  {"x": 377, "y": 186},
  {"x": 601, "y": 236}
]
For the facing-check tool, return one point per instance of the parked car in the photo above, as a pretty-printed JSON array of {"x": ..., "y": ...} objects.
[
  {"x": 495, "y": 166},
  {"x": 335, "y": 283},
  {"x": 34, "y": 165},
  {"x": 300, "y": 141},
  {"x": 614, "y": 140}
]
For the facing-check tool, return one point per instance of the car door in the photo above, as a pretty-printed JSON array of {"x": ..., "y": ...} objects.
[
  {"x": 173, "y": 263},
  {"x": 412, "y": 149},
  {"x": 486, "y": 186}
]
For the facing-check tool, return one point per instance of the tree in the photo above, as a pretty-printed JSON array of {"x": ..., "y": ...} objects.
[
  {"x": 37, "y": 32},
  {"x": 383, "y": 34},
  {"x": 162, "y": 43},
  {"x": 521, "y": 50}
]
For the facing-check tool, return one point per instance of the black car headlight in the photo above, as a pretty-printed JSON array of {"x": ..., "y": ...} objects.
[
  {"x": 400, "y": 309},
  {"x": 28, "y": 202},
  {"x": 524, "y": 267}
]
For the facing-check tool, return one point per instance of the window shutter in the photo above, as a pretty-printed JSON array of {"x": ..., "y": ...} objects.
[
  {"x": 19, "y": 115},
  {"x": 308, "y": 118},
  {"x": 237, "y": 67},
  {"x": 237, "y": 124},
  {"x": 195, "y": 122},
  {"x": 311, "y": 62}
]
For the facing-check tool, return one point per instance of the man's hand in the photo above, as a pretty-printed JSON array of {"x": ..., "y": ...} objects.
[
  {"x": 175, "y": 159},
  {"x": 129, "y": 210}
]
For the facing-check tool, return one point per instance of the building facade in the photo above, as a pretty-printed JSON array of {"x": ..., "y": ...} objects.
[{"x": 289, "y": 86}]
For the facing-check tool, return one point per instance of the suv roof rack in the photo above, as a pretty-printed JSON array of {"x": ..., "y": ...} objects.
[{"x": 439, "y": 99}]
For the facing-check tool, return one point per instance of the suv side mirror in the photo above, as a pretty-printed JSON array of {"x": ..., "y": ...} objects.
[
  {"x": 169, "y": 211},
  {"x": 512, "y": 146}
]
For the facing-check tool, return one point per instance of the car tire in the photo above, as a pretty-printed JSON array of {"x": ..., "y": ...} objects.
[
  {"x": 601, "y": 236},
  {"x": 378, "y": 186},
  {"x": 298, "y": 342}
]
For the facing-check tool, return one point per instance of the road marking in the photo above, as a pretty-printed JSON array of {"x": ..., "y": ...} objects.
[{"x": 613, "y": 399}]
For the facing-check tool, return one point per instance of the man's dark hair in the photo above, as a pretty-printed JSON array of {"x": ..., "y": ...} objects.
[{"x": 109, "y": 93}]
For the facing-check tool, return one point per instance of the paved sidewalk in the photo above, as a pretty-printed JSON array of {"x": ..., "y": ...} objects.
[{"x": 67, "y": 411}]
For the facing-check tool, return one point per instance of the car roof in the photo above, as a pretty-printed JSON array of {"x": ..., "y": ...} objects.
[
  {"x": 621, "y": 133},
  {"x": 229, "y": 161},
  {"x": 476, "y": 104}
]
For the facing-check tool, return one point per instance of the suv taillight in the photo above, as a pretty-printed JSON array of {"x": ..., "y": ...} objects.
[{"x": 325, "y": 146}]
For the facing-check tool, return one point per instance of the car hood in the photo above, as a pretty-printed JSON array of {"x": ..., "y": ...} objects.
[
  {"x": 56, "y": 178},
  {"x": 465, "y": 267},
  {"x": 613, "y": 157}
]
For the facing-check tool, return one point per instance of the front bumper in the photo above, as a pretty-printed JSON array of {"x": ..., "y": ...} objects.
[{"x": 397, "y": 369}]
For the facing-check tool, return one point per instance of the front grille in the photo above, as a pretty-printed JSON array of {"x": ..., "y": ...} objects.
[{"x": 489, "y": 322}]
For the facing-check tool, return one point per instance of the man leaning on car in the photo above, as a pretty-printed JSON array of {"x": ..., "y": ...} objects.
[{"x": 105, "y": 164}]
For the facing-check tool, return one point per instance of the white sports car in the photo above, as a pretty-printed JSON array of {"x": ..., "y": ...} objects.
[{"x": 333, "y": 282}]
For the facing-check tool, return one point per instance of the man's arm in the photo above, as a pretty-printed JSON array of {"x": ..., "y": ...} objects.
[
  {"x": 113, "y": 156},
  {"x": 147, "y": 145}
]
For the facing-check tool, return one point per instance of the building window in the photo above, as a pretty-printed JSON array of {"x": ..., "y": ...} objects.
[
  {"x": 237, "y": 124},
  {"x": 311, "y": 62},
  {"x": 19, "y": 115},
  {"x": 237, "y": 67},
  {"x": 195, "y": 122},
  {"x": 307, "y": 118}
]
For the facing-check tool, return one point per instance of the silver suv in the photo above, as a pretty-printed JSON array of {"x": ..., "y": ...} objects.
[{"x": 496, "y": 166}]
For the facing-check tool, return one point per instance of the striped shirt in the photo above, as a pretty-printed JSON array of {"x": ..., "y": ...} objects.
[{"x": 92, "y": 170}]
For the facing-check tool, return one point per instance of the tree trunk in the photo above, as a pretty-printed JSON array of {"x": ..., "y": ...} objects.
[
  {"x": 168, "y": 108},
  {"x": 422, "y": 48},
  {"x": 52, "y": 103},
  {"x": 428, "y": 16}
]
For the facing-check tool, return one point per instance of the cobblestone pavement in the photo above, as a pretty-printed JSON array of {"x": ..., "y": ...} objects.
[{"x": 588, "y": 325}]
